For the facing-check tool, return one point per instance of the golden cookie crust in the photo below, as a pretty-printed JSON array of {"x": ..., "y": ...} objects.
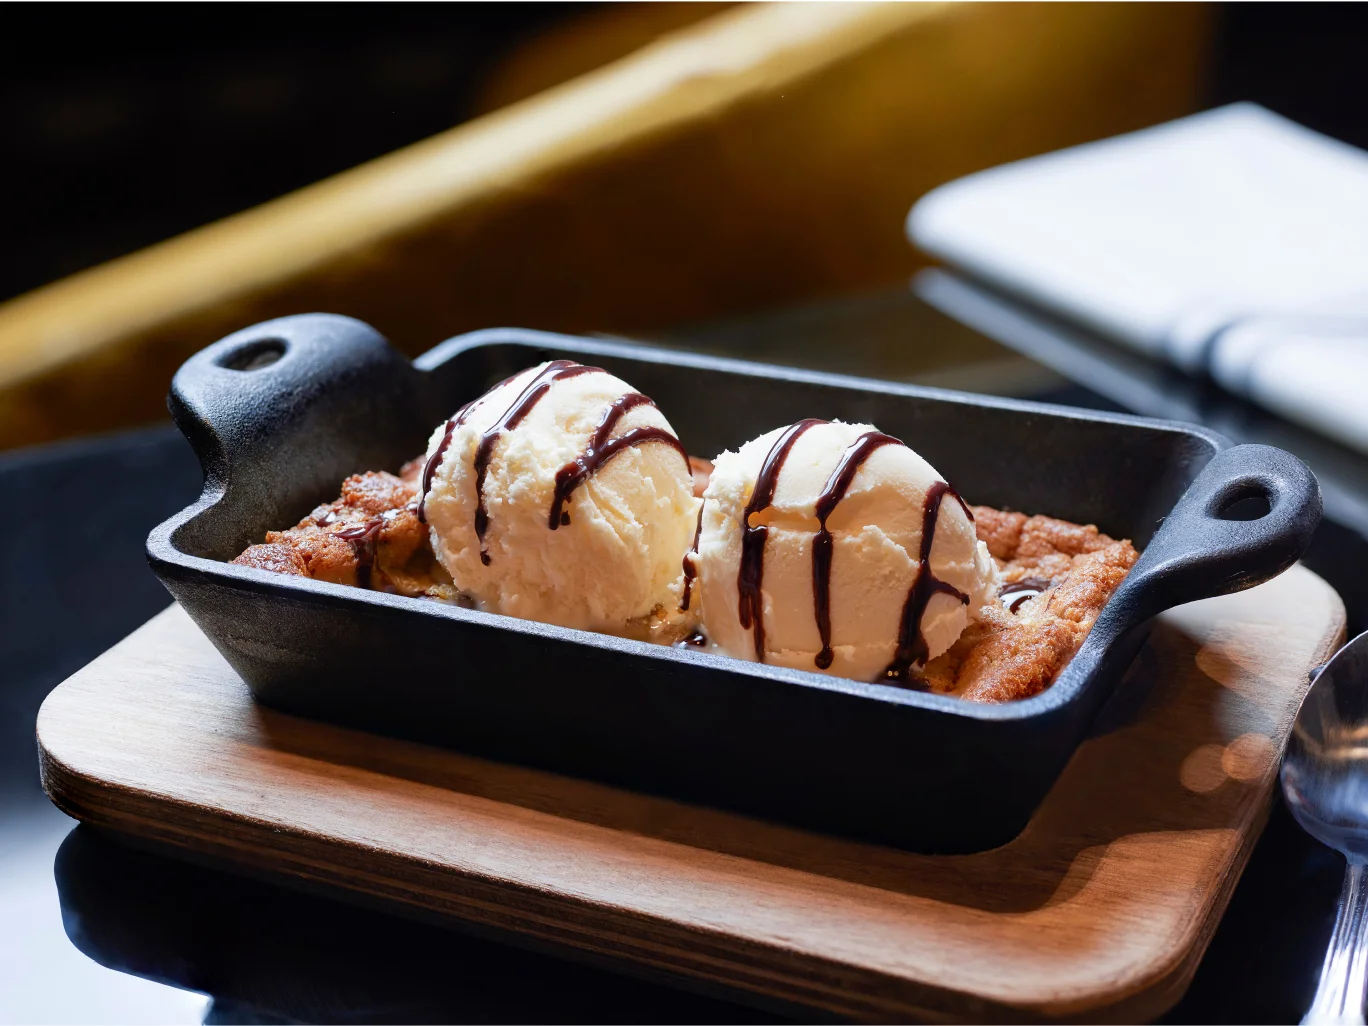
[
  {"x": 1008, "y": 656},
  {"x": 370, "y": 536},
  {"x": 1004, "y": 657}
]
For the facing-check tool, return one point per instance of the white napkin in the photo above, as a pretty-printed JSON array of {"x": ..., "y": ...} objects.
[{"x": 1232, "y": 241}]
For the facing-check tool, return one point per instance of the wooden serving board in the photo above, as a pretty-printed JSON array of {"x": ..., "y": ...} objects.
[{"x": 1101, "y": 909}]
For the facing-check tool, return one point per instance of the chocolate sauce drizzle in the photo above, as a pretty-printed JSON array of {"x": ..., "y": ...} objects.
[
  {"x": 556, "y": 370},
  {"x": 690, "y": 567},
  {"x": 832, "y": 493},
  {"x": 749, "y": 577},
  {"x": 912, "y": 646},
  {"x": 363, "y": 538},
  {"x": 964, "y": 506},
  {"x": 1026, "y": 589},
  {"x": 602, "y": 448},
  {"x": 435, "y": 460}
]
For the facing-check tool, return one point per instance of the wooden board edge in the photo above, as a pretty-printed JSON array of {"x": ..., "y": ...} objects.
[
  {"x": 601, "y": 935},
  {"x": 1168, "y": 986}
]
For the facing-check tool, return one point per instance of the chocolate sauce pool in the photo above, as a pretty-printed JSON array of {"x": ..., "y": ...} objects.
[{"x": 1025, "y": 589}]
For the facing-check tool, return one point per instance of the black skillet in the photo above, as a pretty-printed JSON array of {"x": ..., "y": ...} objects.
[{"x": 281, "y": 412}]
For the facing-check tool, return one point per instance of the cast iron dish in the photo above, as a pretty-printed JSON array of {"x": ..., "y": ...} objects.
[{"x": 281, "y": 412}]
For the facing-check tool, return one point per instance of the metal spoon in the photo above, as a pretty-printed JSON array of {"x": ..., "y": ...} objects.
[{"x": 1325, "y": 781}]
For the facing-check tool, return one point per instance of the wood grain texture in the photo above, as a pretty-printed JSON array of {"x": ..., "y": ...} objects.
[
  {"x": 767, "y": 153},
  {"x": 1099, "y": 910}
]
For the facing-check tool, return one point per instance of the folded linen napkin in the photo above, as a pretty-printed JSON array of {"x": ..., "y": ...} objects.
[{"x": 1233, "y": 242}]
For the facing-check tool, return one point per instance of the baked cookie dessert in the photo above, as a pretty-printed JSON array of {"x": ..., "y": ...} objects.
[
  {"x": 563, "y": 495},
  {"x": 369, "y": 537},
  {"x": 1056, "y": 577}
]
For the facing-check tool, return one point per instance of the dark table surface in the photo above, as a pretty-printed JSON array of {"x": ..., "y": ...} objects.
[{"x": 95, "y": 930}]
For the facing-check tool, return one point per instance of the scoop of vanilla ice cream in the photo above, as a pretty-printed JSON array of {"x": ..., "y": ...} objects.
[
  {"x": 876, "y": 531},
  {"x": 617, "y": 554}
]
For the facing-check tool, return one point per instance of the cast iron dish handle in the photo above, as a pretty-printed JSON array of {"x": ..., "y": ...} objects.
[
  {"x": 1199, "y": 551},
  {"x": 315, "y": 381}
]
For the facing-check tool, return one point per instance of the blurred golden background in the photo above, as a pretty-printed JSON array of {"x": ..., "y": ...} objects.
[{"x": 625, "y": 168}]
